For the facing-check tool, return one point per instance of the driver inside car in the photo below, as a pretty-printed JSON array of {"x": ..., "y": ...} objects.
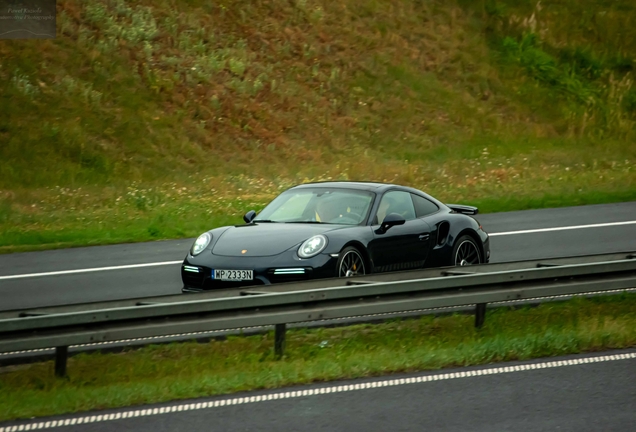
[
  {"x": 336, "y": 210},
  {"x": 387, "y": 206},
  {"x": 326, "y": 211}
]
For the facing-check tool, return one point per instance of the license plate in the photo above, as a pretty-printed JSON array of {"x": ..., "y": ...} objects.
[{"x": 233, "y": 275}]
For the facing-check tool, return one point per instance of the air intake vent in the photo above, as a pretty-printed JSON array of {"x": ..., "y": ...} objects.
[{"x": 442, "y": 233}]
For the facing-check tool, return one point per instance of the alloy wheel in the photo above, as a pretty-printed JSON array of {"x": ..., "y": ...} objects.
[
  {"x": 351, "y": 264},
  {"x": 467, "y": 254}
]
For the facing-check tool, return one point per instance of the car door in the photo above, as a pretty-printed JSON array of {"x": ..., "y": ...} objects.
[{"x": 401, "y": 247}]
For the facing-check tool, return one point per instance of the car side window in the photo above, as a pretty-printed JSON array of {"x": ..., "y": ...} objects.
[
  {"x": 395, "y": 202},
  {"x": 423, "y": 206}
]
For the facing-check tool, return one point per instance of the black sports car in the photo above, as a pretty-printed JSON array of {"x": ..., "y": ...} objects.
[{"x": 321, "y": 230}]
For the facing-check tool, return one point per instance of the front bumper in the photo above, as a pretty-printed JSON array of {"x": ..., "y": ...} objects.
[{"x": 197, "y": 275}]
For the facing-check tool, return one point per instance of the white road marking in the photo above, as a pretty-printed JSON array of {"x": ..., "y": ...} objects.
[
  {"x": 132, "y": 266},
  {"x": 565, "y": 228},
  {"x": 88, "y": 270},
  {"x": 180, "y": 407}
]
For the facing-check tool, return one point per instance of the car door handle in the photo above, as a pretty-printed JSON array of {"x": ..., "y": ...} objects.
[{"x": 424, "y": 236}]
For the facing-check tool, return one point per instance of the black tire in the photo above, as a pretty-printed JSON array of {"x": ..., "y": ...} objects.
[
  {"x": 466, "y": 252},
  {"x": 350, "y": 263}
]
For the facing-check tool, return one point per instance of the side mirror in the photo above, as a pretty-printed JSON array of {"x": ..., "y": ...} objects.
[
  {"x": 249, "y": 216},
  {"x": 389, "y": 221}
]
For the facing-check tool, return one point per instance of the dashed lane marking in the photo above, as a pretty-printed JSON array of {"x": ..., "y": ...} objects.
[{"x": 181, "y": 407}]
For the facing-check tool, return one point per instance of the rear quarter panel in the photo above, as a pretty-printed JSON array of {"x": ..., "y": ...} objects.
[{"x": 442, "y": 248}]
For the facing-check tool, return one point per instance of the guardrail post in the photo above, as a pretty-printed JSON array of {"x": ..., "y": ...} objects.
[
  {"x": 279, "y": 340},
  {"x": 480, "y": 314},
  {"x": 61, "y": 355}
]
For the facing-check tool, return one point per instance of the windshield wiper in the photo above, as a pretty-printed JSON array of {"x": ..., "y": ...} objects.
[
  {"x": 264, "y": 221},
  {"x": 307, "y": 222}
]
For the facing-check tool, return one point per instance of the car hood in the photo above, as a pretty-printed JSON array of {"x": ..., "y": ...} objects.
[{"x": 266, "y": 239}]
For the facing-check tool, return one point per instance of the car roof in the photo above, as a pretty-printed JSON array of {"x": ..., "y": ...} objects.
[{"x": 369, "y": 186}]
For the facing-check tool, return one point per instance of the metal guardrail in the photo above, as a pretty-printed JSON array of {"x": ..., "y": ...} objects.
[
  {"x": 316, "y": 284},
  {"x": 63, "y": 328}
]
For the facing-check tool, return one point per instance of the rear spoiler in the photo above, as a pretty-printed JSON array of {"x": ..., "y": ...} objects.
[{"x": 463, "y": 209}]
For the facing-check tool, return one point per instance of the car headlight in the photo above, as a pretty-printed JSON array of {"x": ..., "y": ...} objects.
[
  {"x": 200, "y": 243},
  {"x": 312, "y": 246}
]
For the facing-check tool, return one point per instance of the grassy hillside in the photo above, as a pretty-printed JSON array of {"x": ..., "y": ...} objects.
[{"x": 157, "y": 119}]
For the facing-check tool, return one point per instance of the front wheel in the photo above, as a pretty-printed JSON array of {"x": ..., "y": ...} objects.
[
  {"x": 466, "y": 252},
  {"x": 350, "y": 263}
]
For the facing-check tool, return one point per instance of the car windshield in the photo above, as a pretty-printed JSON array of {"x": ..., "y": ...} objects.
[{"x": 319, "y": 205}]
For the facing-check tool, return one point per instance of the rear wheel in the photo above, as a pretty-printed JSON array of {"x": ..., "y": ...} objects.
[
  {"x": 466, "y": 252},
  {"x": 350, "y": 263}
]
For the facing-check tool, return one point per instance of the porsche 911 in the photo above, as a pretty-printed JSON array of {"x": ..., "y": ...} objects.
[{"x": 336, "y": 229}]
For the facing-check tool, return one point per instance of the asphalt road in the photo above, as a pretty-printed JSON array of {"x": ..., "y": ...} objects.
[
  {"x": 575, "y": 393},
  {"x": 159, "y": 273}
]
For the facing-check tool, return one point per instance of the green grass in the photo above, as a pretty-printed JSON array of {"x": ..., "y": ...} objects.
[
  {"x": 506, "y": 104},
  {"x": 190, "y": 370}
]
